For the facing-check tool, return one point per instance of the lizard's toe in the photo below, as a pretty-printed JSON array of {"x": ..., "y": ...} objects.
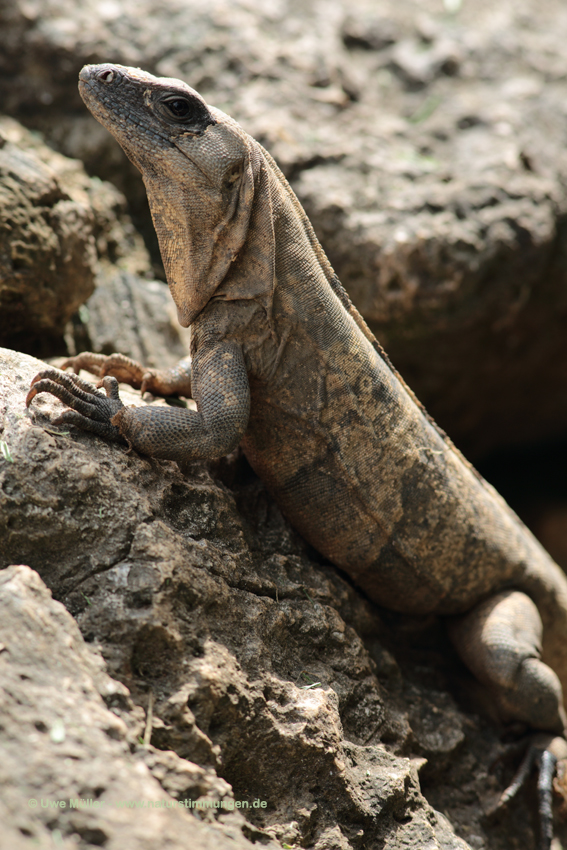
[
  {"x": 110, "y": 386},
  {"x": 84, "y": 423},
  {"x": 545, "y": 752},
  {"x": 90, "y": 410},
  {"x": 124, "y": 369},
  {"x": 87, "y": 360}
]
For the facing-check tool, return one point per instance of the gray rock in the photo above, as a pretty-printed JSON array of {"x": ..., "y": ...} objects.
[
  {"x": 47, "y": 246},
  {"x": 429, "y": 150},
  {"x": 69, "y": 774},
  {"x": 64, "y": 235},
  {"x": 265, "y": 671},
  {"x": 56, "y": 224},
  {"x": 133, "y": 316}
]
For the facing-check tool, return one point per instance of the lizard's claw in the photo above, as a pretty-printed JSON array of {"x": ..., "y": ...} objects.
[
  {"x": 544, "y": 751},
  {"x": 91, "y": 410}
]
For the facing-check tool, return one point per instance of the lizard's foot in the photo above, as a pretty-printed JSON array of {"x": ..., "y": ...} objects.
[
  {"x": 91, "y": 410},
  {"x": 124, "y": 369},
  {"x": 500, "y": 641},
  {"x": 163, "y": 382},
  {"x": 546, "y": 752}
]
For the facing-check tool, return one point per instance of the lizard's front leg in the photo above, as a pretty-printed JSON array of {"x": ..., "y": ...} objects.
[{"x": 220, "y": 389}]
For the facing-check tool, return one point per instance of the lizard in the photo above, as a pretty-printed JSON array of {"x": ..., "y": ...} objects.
[{"x": 284, "y": 365}]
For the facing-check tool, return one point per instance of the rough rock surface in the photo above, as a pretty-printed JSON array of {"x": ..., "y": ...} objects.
[
  {"x": 427, "y": 145},
  {"x": 62, "y": 233},
  {"x": 257, "y": 664},
  {"x": 70, "y": 765},
  {"x": 47, "y": 246},
  {"x": 132, "y": 315},
  {"x": 56, "y": 223}
]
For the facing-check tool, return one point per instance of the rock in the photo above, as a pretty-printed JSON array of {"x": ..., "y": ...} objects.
[
  {"x": 369, "y": 32},
  {"x": 241, "y": 644},
  {"x": 430, "y": 154},
  {"x": 68, "y": 774},
  {"x": 56, "y": 222},
  {"x": 64, "y": 234},
  {"x": 47, "y": 247},
  {"x": 131, "y": 315}
]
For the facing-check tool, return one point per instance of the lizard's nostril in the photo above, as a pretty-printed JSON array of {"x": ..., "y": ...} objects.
[{"x": 106, "y": 76}]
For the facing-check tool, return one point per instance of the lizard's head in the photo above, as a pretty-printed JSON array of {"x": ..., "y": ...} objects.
[{"x": 197, "y": 167}]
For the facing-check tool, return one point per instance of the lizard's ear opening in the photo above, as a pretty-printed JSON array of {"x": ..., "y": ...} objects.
[{"x": 199, "y": 234}]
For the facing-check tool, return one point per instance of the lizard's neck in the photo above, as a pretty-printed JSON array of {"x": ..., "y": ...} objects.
[{"x": 281, "y": 256}]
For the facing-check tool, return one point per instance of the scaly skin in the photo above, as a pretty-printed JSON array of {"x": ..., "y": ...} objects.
[{"x": 284, "y": 365}]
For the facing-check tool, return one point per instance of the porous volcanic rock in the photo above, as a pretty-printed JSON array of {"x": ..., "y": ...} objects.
[
  {"x": 55, "y": 225},
  {"x": 62, "y": 234},
  {"x": 71, "y": 769}
]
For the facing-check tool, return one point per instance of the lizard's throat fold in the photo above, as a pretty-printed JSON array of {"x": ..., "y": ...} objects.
[{"x": 182, "y": 317}]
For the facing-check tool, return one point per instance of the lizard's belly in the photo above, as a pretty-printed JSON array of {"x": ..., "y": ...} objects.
[{"x": 384, "y": 497}]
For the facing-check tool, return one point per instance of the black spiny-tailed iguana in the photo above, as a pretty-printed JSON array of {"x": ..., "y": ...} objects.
[{"x": 285, "y": 366}]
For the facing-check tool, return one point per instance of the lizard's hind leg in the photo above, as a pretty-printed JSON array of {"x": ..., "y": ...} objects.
[{"x": 500, "y": 641}]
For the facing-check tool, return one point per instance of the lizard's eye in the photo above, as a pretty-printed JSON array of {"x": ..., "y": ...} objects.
[
  {"x": 180, "y": 108},
  {"x": 188, "y": 111}
]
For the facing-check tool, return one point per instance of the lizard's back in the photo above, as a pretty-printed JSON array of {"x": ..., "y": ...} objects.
[{"x": 364, "y": 475}]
